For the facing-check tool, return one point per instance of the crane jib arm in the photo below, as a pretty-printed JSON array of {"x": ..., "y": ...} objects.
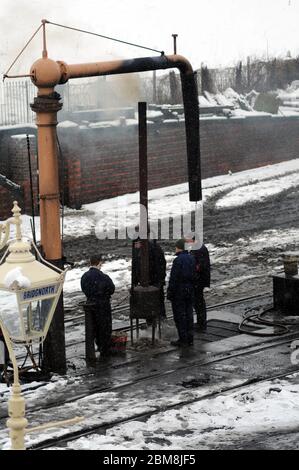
[{"x": 63, "y": 72}]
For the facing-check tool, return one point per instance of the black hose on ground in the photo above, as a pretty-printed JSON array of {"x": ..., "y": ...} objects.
[{"x": 257, "y": 318}]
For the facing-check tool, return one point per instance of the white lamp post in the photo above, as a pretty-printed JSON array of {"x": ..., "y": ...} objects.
[{"x": 31, "y": 290}]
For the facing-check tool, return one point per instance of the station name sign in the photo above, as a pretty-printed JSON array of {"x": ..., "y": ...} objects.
[{"x": 40, "y": 292}]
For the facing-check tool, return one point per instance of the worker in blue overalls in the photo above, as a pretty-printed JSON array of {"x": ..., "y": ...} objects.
[
  {"x": 181, "y": 294},
  {"x": 98, "y": 288}
]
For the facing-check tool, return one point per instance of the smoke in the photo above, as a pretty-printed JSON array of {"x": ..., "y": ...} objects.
[
  {"x": 125, "y": 90},
  {"x": 19, "y": 19}
]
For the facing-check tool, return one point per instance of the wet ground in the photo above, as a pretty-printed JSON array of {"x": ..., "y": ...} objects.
[
  {"x": 150, "y": 380},
  {"x": 245, "y": 244}
]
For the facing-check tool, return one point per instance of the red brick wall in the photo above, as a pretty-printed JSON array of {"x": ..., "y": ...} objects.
[
  {"x": 14, "y": 165},
  {"x": 108, "y": 161},
  {"x": 6, "y": 203},
  {"x": 109, "y": 157},
  {"x": 101, "y": 163}
]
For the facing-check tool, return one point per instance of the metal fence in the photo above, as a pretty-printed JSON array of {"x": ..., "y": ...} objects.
[
  {"x": 16, "y": 96},
  {"x": 15, "y": 99},
  {"x": 86, "y": 94}
]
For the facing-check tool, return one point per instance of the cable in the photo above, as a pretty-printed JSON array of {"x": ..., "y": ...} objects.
[
  {"x": 32, "y": 221},
  {"x": 62, "y": 171},
  {"x": 121, "y": 301},
  {"x": 256, "y": 318},
  {"x": 5, "y": 75},
  {"x": 105, "y": 37},
  {"x": 34, "y": 34}
]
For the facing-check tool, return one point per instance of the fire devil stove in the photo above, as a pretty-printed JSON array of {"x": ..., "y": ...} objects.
[{"x": 286, "y": 286}]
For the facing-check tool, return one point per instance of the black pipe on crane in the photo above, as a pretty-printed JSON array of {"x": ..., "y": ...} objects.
[{"x": 189, "y": 92}]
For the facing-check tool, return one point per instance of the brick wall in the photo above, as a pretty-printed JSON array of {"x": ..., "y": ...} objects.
[
  {"x": 14, "y": 164},
  {"x": 101, "y": 163},
  {"x": 108, "y": 158},
  {"x": 6, "y": 203},
  {"x": 4, "y": 154}
]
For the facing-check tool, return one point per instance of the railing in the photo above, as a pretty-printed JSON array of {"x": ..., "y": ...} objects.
[
  {"x": 16, "y": 96},
  {"x": 15, "y": 99},
  {"x": 85, "y": 95}
]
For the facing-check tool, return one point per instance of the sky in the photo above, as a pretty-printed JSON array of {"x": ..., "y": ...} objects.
[{"x": 215, "y": 32}]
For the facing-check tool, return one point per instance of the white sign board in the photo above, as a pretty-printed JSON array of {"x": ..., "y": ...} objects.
[{"x": 40, "y": 292}]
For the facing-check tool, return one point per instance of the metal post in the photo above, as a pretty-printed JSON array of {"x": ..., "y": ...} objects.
[
  {"x": 27, "y": 102},
  {"x": 154, "y": 87},
  {"x": 153, "y": 331},
  {"x": 31, "y": 188},
  {"x": 131, "y": 327},
  {"x": 143, "y": 188},
  {"x": 17, "y": 422},
  {"x": 174, "y": 42},
  {"x": 46, "y": 108}
]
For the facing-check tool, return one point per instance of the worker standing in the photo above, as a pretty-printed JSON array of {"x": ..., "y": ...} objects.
[
  {"x": 98, "y": 288},
  {"x": 181, "y": 294},
  {"x": 202, "y": 279}
]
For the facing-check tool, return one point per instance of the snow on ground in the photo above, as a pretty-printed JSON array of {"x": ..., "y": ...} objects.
[
  {"x": 174, "y": 200},
  {"x": 258, "y": 191},
  {"x": 205, "y": 424},
  {"x": 239, "y": 188},
  {"x": 118, "y": 270},
  {"x": 36, "y": 390}
]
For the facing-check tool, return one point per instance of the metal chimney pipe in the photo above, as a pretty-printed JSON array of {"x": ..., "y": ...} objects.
[
  {"x": 174, "y": 43},
  {"x": 143, "y": 190}
]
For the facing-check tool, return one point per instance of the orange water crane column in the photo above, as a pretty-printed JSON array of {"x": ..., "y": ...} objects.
[{"x": 46, "y": 105}]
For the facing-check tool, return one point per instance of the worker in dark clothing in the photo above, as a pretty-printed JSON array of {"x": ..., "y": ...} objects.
[
  {"x": 181, "y": 294},
  {"x": 202, "y": 280},
  {"x": 98, "y": 288},
  {"x": 157, "y": 269}
]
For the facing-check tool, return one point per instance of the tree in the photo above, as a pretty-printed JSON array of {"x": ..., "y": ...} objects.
[
  {"x": 238, "y": 78},
  {"x": 174, "y": 91},
  {"x": 207, "y": 83}
]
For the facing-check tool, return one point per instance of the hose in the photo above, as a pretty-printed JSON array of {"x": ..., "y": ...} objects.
[{"x": 257, "y": 318}]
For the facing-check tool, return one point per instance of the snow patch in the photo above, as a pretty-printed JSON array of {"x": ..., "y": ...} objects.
[
  {"x": 15, "y": 279},
  {"x": 67, "y": 124},
  {"x": 21, "y": 136}
]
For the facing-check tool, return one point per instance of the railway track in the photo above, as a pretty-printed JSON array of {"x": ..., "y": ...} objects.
[
  {"x": 126, "y": 307},
  {"x": 101, "y": 428},
  {"x": 162, "y": 375},
  {"x": 79, "y": 320},
  {"x": 145, "y": 380}
]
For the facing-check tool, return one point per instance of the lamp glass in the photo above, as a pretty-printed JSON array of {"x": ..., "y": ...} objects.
[
  {"x": 9, "y": 313},
  {"x": 27, "y": 313},
  {"x": 35, "y": 315}
]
